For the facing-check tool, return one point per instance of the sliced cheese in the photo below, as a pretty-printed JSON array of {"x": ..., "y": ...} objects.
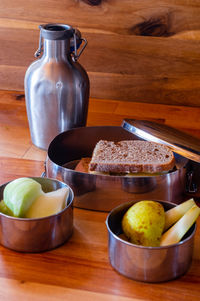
[{"x": 48, "y": 203}]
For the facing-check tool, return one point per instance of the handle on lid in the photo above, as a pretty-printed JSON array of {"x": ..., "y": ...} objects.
[
  {"x": 40, "y": 48},
  {"x": 75, "y": 54}
]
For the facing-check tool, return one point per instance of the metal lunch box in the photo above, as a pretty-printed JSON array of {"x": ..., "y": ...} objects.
[
  {"x": 103, "y": 192},
  {"x": 147, "y": 264},
  {"x": 38, "y": 234}
]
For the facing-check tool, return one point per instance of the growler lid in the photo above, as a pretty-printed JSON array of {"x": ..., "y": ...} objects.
[
  {"x": 55, "y": 31},
  {"x": 180, "y": 142}
]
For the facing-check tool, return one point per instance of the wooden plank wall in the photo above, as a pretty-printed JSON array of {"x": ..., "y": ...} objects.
[{"x": 138, "y": 50}]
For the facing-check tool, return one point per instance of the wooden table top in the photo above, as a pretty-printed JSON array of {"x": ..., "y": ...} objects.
[{"x": 80, "y": 269}]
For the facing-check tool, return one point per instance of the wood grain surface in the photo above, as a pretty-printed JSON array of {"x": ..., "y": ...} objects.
[
  {"x": 138, "y": 51},
  {"x": 80, "y": 269}
]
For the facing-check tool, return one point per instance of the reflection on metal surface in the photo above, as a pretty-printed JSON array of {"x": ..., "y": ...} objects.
[{"x": 56, "y": 85}]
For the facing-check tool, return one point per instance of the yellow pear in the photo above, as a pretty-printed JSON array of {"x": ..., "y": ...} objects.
[{"x": 143, "y": 223}]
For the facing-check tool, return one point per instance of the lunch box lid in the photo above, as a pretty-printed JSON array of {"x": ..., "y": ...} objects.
[{"x": 180, "y": 142}]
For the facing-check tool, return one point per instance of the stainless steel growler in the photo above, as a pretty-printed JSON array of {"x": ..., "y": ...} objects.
[{"x": 56, "y": 85}]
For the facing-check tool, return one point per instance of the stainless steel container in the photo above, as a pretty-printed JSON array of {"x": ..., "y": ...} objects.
[
  {"x": 102, "y": 192},
  {"x": 38, "y": 234},
  {"x": 56, "y": 85},
  {"x": 148, "y": 264}
]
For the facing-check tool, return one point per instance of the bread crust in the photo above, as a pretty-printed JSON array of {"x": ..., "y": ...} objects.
[{"x": 131, "y": 156}]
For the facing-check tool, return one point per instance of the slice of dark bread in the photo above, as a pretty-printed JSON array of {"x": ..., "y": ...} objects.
[{"x": 131, "y": 156}]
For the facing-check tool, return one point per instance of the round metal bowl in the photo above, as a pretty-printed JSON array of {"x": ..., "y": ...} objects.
[
  {"x": 38, "y": 234},
  {"x": 147, "y": 264},
  {"x": 104, "y": 192}
]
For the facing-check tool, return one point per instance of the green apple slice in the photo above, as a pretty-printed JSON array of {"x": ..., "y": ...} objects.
[
  {"x": 20, "y": 194},
  {"x": 48, "y": 203}
]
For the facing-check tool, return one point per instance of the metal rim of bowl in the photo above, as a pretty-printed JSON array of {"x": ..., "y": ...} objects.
[{"x": 45, "y": 217}]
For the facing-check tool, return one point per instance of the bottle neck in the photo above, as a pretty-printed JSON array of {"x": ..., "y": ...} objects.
[{"x": 58, "y": 49}]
